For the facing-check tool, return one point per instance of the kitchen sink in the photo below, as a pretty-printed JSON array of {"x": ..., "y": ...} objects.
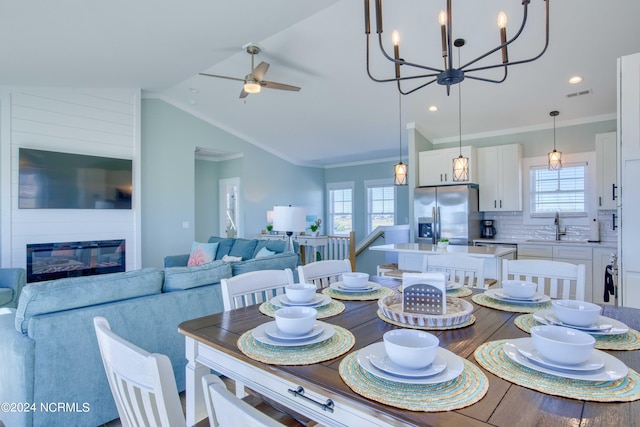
[{"x": 574, "y": 242}]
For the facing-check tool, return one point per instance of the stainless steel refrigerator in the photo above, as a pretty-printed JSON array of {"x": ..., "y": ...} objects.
[{"x": 447, "y": 212}]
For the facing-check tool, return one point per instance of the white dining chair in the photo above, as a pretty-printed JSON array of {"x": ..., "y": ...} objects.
[
  {"x": 254, "y": 287},
  {"x": 466, "y": 270},
  {"x": 142, "y": 383},
  {"x": 323, "y": 273},
  {"x": 554, "y": 278},
  {"x": 226, "y": 410}
]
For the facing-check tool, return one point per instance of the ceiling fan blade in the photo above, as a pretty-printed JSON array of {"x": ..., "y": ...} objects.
[
  {"x": 222, "y": 77},
  {"x": 244, "y": 94},
  {"x": 259, "y": 72},
  {"x": 280, "y": 86}
]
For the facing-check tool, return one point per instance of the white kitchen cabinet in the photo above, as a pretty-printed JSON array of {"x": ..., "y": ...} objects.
[
  {"x": 601, "y": 258},
  {"x": 606, "y": 170},
  {"x": 499, "y": 172},
  {"x": 435, "y": 167}
]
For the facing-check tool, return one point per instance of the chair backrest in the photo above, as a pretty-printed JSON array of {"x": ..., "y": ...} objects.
[
  {"x": 142, "y": 383},
  {"x": 469, "y": 271},
  {"x": 254, "y": 287},
  {"x": 554, "y": 278},
  {"x": 323, "y": 273},
  {"x": 225, "y": 409}
]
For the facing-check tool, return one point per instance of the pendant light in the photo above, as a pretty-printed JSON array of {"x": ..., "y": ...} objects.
[
  {"x": 400, "y": 174},
  {"x": 460, "y": 163},
  {"x": 555, "y": 157}
]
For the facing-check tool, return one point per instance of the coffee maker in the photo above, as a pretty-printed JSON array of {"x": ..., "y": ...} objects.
[{"x": 488, "y": 230}]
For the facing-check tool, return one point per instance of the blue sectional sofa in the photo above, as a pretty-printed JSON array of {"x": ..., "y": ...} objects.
[
  {"x": 50, "y": 365},
  {"x": 12, "y": 280}
]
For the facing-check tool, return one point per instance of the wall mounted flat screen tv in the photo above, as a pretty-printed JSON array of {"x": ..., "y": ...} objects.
[{"x": 53, "y": 180}]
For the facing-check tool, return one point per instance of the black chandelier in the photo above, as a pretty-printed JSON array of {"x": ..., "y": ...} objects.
[{"x": 449, "y": 75}]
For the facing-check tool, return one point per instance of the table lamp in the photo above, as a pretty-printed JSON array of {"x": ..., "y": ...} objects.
[{"x": 289, "y": 219}]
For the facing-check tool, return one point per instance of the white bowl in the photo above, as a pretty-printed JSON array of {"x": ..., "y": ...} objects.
[
  {"x": 562, "y": 345},
  {"x": 519, "y": 288},
  {"x": 411, "y": 348},
  {"x": 355, "y": 280},
  {"x": 296, "y": 320},
  {"x": 300, "y": 292},
  {"x": 577, "y": 313}
]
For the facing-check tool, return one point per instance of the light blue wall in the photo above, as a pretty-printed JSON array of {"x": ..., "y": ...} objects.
[
  {"x": 358, "y": 174},
  {"x": 169, "y": 139},
  {"x": 206, "y": 199}
]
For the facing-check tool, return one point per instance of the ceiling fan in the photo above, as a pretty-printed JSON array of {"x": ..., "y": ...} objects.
[{"x": 253, "y": 82}]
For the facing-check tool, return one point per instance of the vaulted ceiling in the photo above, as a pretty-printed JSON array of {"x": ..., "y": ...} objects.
[{"x": 340, "y": 115}]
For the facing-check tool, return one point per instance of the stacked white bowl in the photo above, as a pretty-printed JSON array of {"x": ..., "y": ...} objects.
[
  {"x": 576, "y": 313},
  {"x": 296, "y": 321},
  {"x": 300, "y": 293},
  {"x": 411, "y": 348},
  {"x": 519, "y": 288},
  {"x": 355, "y": 280},
  {"x": 562, "y": 345}
]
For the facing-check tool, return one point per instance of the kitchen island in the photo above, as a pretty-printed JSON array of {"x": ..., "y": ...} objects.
[{"x": 411, "y": 255}]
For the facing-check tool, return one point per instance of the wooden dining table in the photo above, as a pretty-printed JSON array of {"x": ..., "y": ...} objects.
[{"x": 318, "y": 391}]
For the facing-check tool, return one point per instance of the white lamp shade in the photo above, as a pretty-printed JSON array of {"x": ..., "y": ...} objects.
[
  {"x": 289, "y": 218},
  {"x": 269, "y": 217},
  {"x": 555, "y": 160},
  {"x": 461, "y": 168},
  {"x": 400, "y": 174}
]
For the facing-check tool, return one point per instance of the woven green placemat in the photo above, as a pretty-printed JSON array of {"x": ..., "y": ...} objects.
[
  {"x": 460, "y": 392},
  {"x": 365, "y": 296},
  {"x": 339, "y": 344},
  {"x": 482, "y": 299},
  {"x": 628, "y": 341},
  {"x": 471, "y": 321},
  {"x": 492, "y": 357},
  {"x": 331, "y": 309}
]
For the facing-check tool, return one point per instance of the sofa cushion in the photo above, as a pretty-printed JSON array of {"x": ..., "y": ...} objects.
[
  {"x": 181, "y": 278},
  {"x": 202, "y": 253},
  {"x": 224, "y": 245},
  {"x": 75, "y": 292},
  {"x": 274, "y": 262},
  {"x": 264, "y": 252},
  {"x": 6, "y": 295},
  {"x": 243, "y": 248},
  {"x": 277, "y": 246}
]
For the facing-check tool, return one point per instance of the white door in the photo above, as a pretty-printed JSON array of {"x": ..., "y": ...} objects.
[
  {"x": 629, "y": 176},
  {"x": 230, "y": 206}
]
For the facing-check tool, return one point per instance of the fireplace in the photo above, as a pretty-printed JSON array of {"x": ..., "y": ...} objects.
[{"x": 48, "y": 261}]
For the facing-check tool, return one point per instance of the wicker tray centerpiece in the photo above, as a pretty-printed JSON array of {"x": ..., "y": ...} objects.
[{"x": 458, "y": 311}]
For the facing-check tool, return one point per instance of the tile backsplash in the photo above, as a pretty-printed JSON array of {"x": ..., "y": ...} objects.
[{"x": 509, "y": 225}]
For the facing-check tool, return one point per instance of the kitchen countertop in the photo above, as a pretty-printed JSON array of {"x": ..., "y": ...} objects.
[
  {"x": 477, "y": 251},
  {"x": 605, "y": 245}
]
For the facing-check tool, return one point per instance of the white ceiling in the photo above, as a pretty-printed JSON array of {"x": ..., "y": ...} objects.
[{"x": 340, "y": 115}]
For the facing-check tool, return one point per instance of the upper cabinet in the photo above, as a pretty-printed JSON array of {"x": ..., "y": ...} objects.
[
  {"x": 436, "y": 166},
  {"x": 500, "y": 177},
  {"x": 606, "y": 170}
]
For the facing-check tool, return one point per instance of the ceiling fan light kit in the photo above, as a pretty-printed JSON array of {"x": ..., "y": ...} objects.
[
  {"x": 254, "y": 81},
  {"x": 448, "y": 75}
]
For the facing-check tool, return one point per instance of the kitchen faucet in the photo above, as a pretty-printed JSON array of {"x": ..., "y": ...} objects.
[{"x": 556, "y": 222}]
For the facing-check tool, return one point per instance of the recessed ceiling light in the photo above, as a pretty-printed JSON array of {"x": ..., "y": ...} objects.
[
  {"x": 193, "y": 90},
  {"x": 575, "y": 79},
  {"x": 433, "y": 108}
]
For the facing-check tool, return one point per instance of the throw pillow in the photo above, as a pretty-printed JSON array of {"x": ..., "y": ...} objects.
[
  {"x": 229, "y": 258},
  {"x": 202, "y": 253},
  {"x": 264, "y": 252}
]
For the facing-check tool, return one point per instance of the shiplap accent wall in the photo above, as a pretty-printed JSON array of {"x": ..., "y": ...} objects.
[{"x": 97, "y": 122}]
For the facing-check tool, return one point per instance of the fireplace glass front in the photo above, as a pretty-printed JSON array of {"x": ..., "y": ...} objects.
[{"x": 48, "y": 261}]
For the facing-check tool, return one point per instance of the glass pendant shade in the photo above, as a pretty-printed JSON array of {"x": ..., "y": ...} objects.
[
  {"x": 461, "y": 168},
  {"x": 400, "y": 174},
  {"x": 555, "y": 160},
  {"x": 252, "y": 87}
]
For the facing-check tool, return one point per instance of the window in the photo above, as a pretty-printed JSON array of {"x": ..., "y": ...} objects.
[
  {"x": 340, "y": 208},
  {"x": 561, "y": 190},
  {"x": 381, "y": 195}
]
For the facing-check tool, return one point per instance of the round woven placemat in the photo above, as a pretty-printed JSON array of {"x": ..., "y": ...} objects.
[
  {"x": 331, "y": 309},
  {"x": 471, "y": 321},
  {"x": 335, "y": 346},
  {"x": 482, "y": 299},
  {"x": 365, "y": 296},
  {"x": 460, "y": 392},
  {"x": 492, "y": 357},
  {"x": 458, "y": 293},
  {"x": 628, "y": 341}
]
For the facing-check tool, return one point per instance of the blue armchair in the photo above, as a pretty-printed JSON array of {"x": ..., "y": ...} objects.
[{"x": 12, "y": 280}]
